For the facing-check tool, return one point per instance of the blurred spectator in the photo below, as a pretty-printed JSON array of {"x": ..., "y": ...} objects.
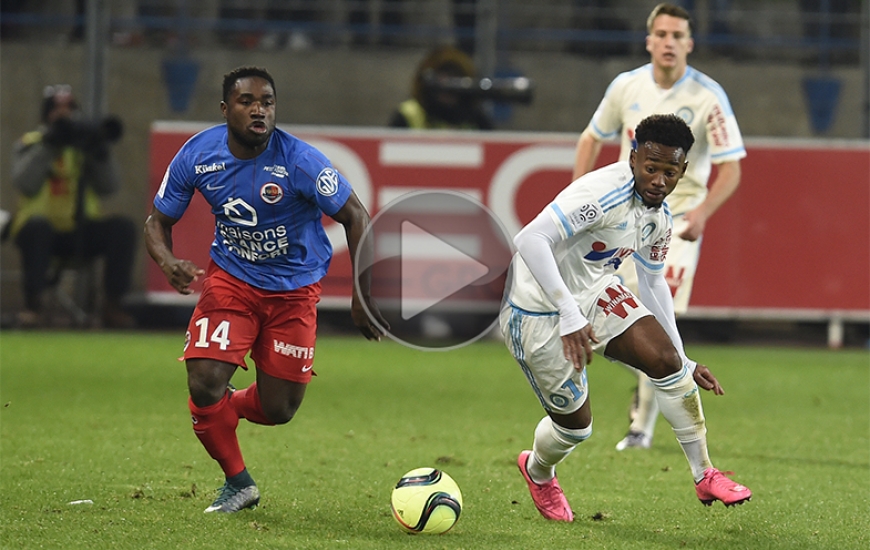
[
  {"x": 363, "y": 21},
  {"x": 61, "y": 170},
  {"x": 436, "y": 102},
  {"x": 717, "y": 14},
  {"x": 465, "y": 21},
  {"x": 9, "y": 7},
  {"x": 236, "y": 12},
  {"x": 825, "y": 21},
  {"x": 597, "y": 15},
  {"x": 78, "y": 32},
  {"x": 268, "y": 24},
  {"x": 301, "y": 11}
]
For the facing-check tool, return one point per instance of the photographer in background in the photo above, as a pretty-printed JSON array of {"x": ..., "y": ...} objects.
[
  {"x": 434, "y": 103},
  {"x": 61, "y": 170}
]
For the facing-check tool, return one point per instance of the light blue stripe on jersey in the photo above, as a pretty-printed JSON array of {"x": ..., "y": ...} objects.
[
  {"x": 713, "y": 86},
  {"x": 686, "y": 75},
  {"x": 515, "y": 326},
  {"x": 629, "y": 74},
  {"x": 602, "y": 134},
  {"x": 562, "y": 218},
  {"x": 610, "y": 135},
  {"x": 652, "y": 267},
  {"x": 618, "y": 196},
  {"x": 729, "y": 152}
]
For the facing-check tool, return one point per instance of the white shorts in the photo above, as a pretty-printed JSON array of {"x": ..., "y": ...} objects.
[
  {"x": 533, "y": 340},
  {"x": 680, "y": 266}
]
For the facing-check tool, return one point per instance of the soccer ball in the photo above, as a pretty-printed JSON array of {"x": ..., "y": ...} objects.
[{"x": 426, "y": 500}]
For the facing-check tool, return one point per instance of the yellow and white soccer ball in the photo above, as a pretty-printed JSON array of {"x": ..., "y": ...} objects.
[{"x": 427, "y": 501}]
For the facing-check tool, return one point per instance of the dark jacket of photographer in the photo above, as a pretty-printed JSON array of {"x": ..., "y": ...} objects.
[
  {"x": 47, "y": 169},
  {"x": 434, "y": 106}
]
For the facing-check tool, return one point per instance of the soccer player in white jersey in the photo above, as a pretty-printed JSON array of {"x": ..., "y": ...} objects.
[
  {"x": 669, "y": 85},
  {"x": 564, "y": 302}
]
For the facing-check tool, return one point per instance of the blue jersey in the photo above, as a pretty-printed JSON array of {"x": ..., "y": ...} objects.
[{"x": 268, "y": 209}]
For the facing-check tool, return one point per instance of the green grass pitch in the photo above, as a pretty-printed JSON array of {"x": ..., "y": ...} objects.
[{"x": 103, "y": 417}]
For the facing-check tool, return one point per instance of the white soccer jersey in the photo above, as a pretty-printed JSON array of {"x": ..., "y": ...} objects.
[
  {"x": 602, "y": 220},
  {"x": 697, "y": 99}
]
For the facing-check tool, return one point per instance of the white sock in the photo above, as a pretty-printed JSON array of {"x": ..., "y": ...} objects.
[
  {"x": 552, "y": 444},
  {"x": 680, "y": 402},
  {"x": 647, "y": 407}
]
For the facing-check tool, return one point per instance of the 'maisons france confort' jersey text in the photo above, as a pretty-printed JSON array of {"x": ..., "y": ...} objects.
[{"x": 268, "y": 209}]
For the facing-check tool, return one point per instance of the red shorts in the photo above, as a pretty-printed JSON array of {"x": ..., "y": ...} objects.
[{"x": 232, "y": 318}]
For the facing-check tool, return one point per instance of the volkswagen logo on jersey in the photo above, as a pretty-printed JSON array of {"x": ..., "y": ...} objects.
[
  {"x": 271, "y": 193},
  {"x": 327, "y": 182}
]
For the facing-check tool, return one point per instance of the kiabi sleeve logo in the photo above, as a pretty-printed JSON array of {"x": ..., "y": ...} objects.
[{"x": 327, "y": 182}]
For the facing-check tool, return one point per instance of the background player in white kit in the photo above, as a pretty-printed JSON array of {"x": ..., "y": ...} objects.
[
  {"x": 564, "y": 301},
  {"x": 669, "y": 85}
]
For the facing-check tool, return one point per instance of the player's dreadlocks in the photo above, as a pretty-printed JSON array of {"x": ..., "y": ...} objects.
[
  {"x": 669, "y": 130},
  {"x": 235, "y": 75}
]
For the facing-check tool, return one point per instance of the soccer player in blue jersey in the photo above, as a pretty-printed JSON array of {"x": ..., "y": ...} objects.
[
  {"x": 565, "y": 301},
  {"x": 268, "y": 191}
]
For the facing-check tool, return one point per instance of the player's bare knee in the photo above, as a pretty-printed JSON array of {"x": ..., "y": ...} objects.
[
  {"x": 207, "y": 380},
  {"x": 206, "y": 388},
  {"x": 666, "y": 362},
  {"x": 204, "y": 394},
  {"x": 280, "y": 413}
]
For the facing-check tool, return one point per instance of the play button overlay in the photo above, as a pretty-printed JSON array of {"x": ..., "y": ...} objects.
[
  {"x": 437, "y": 263},
  {"x": 418, "y": 244}
]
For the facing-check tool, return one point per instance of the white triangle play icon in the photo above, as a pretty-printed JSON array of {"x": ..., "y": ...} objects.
[{"x": 418, "y": 245}]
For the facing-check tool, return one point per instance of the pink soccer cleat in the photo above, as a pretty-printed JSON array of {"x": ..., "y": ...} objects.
[
  {"x": 548, "y": 498},
  {"x": 716, "y": 486}
]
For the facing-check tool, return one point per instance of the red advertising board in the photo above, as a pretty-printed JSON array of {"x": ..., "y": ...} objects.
[{"x": 796, "y": 235}]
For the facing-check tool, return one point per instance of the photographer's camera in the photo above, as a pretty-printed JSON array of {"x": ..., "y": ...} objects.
[{"x": 89, "y": 136}]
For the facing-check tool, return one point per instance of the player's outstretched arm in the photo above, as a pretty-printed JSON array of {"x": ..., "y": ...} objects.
[
  {"x": 656, "y": 296},
  {"x": 535, "y": 245},
  {"x": 158, "y": 241},
  {"x": 363, "y": 310}
]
